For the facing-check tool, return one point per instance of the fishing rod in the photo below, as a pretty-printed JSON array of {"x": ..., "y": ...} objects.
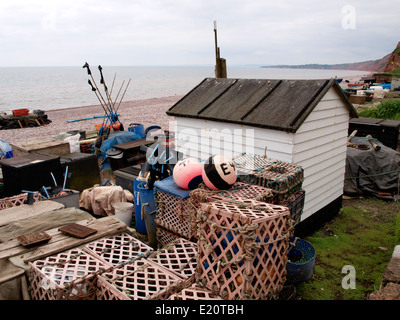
[
  {"x": 107, "y": 115},
  {"x": 105, "y": 88},
  {"x": 119, "y": 92},
  {"x": 112, "y": 86},
  {"x": 86, "y": 65},
  {"x": 123, "y": 95},
  {"x": 102, "y": 132}
]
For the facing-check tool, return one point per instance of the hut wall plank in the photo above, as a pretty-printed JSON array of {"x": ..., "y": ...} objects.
[
  {"x": 320, "y": 148},
  {"x": 201, "y": 138}
]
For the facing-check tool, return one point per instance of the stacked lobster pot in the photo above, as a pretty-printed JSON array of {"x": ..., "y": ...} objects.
[
  {"x": 177, "y": 209},
  {"x": 118, "y": 267},
  {"x": 159, "y": 275},
  {"x": 283, "y": 178},
  {"x": 70, "y": 275},
  {"x": 243, "y": 249},
  {"x": 174, "y": 212}
]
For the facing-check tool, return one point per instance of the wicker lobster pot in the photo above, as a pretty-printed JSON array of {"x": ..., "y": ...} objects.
[
  {"x": 243, "y": 251},
  {"x": 177, "y": 208},
  {"x": 69, "y": 275},
  {"x": 175, "y": 211},
  {"x": 283, "y": 178},
  {"x": 179, "y": 257},
  {"x": 17, "y": 200},
  {"x": 138, "y": 280},
  {"x": 239, "y": 191},
  {"x": 118, "y": 249}
]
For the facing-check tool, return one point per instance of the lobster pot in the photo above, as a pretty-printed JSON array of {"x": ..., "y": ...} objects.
[
  {"x": 282, "y": 177},
  {"x": 139, "y": 280},
  {"x": 175, "y": 210},
  {"x": 67, "y": 276},
  {"x": 179, "y": 257},
  {"x": 194, "y": 292},
  {"x": 239, "y": 191},
  {"x": 242, "y": 251},
  {"x": 118, "y": 249},
  {"x": 165, "y": 237},
  {"x": 18, "y": 200},
  {"x": 295, "y": 204}
]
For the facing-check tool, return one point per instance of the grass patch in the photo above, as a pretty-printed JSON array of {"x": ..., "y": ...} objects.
[
  {"x": 387, "y": 109},
  {"x": 363, "y": 235}
]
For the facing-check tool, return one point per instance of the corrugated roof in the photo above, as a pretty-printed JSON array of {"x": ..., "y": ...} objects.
[{"x": 275, "y": 104}]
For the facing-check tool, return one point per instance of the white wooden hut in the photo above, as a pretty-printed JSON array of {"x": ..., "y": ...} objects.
[{"x": 298, "y": 121}]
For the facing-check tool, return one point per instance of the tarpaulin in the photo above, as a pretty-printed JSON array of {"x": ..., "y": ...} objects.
[
  {"x": 99, "y": 199},
  {"x": 372, "y": 172}
]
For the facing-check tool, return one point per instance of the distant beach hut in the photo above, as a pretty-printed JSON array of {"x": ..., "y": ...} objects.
[{"x": 304, "y": 122}]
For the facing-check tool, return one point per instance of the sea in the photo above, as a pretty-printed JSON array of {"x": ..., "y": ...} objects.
[{"x": 52, "y": 88}]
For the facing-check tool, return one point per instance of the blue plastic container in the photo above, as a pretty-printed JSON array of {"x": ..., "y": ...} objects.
[
  {"x": 140, "y": 223},
  {"x": 149, "y": 211},
  {"x": 137, "y": 128},
  {"x": 301, "y": 260},
  {"x": 5, "y": 149}
]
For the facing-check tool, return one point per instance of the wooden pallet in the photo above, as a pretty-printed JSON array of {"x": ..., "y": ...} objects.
[{"x": 60, "y": 242}]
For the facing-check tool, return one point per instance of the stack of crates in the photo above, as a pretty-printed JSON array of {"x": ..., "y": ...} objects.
[
  {"x": 243, "y": 249},
  {"x": 118, "y": 249},
  {"x": 154, "y": 277},
  {"x": 177, "y": 208},
  {"x": 284, "y": 178},
  {"x": 70, "y": 275},
  {"x": 179, "y": 257},
  {"x": 137, "y": 280},
  {"x": 175, "y": 212}
]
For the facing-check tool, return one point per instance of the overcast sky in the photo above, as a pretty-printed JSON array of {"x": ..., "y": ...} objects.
[{"x": 181, "y": 32}]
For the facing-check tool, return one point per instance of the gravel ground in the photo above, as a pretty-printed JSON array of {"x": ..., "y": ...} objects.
[{"x": 147, "y": 112}]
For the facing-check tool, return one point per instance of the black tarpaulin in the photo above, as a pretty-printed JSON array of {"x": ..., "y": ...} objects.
[{"x": 372, "y": 172}]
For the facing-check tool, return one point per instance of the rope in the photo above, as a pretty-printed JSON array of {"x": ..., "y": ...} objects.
[{"x": 247, "y": 230}]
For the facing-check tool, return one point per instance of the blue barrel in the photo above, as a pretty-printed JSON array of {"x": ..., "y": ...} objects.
[
  {"x": 301, "y": 260},
  {"x": 149, "y": 212},
  {"x": 137, "y": 128},
  {"x": 140, "y": 223}
]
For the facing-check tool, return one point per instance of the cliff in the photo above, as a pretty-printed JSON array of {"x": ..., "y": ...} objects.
[
  {"x": 393, "y": 64},
  {"x": 388, "y": 63}
]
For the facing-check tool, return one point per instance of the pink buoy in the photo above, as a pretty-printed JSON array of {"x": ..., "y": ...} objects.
[
  {"x": 219, "y": 173},
  {"x": 187, "y": 173}
]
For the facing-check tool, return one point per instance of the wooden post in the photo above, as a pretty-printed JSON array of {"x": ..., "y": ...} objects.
[{"x": 220, "y": 63}]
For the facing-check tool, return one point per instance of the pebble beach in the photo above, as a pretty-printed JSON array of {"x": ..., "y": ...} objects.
[{"x": 147, "y": 112}]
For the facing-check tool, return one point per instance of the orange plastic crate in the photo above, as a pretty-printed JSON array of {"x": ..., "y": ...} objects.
[{"x": 20, "y": 112}]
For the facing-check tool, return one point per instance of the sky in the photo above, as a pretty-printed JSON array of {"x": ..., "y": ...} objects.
[{"x": 181, "y": 32}]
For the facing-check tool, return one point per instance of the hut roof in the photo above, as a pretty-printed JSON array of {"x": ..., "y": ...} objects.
[{"x": 275, "y": 104}]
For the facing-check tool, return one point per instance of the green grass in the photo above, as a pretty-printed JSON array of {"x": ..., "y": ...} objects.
[
  {"x": 388, "y": 109},
  {"x": 363, "y": 235}
]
